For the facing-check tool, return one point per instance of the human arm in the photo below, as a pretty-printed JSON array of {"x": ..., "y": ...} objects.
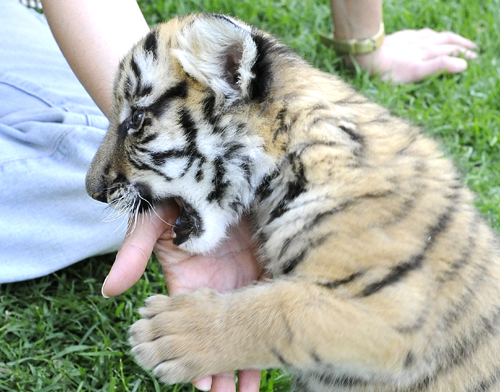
[
  {"x": 405, "y": 56},
  {"x": 94, "y": 35}
]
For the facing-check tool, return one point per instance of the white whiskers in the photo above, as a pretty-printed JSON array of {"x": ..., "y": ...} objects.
[{"x": 131, "y": 204}]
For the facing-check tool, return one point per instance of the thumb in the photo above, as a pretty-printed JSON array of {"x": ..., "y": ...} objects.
[
  {"x": 134, "y": 254},
  {"x": 131, "y": 260}
]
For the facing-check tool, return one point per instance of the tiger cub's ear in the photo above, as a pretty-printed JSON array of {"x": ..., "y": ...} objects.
[{"x": 219, "y": 52}]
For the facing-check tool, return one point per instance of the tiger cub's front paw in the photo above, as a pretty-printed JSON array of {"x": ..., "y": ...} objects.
[{"x": 178, "y": 337}]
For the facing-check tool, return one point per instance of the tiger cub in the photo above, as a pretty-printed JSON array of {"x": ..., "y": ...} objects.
[{"x": 385, "y": 276}]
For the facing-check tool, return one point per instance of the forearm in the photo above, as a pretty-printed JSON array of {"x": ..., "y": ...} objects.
[
  {"x": 94, "y": 35},
  {"x": 356, "y": 19}
]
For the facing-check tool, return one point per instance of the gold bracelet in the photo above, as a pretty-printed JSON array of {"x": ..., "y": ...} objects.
[{"x": 355, "y": 46}]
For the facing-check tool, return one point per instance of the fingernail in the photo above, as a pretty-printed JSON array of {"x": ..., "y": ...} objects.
[
  {"x": 103, "y": 287},
  {"x": 204, "y": 384}
]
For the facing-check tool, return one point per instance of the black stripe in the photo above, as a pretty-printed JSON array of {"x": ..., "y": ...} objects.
[
  {"x": 232, "y": 150},
  {"x": 127, "y": 87},
  {"x": 456, "y": 312},
  {"x": 236, "y": 206},
  {"x": 264, "y": 190},
  {"x": 159, "y": 158},
  {"x": 282, "y": 360},
  {"x": 442, "y": 223},
  {"x": 189, "y": 127},
  {"x": 463, "y": 348},
  {"x": 290, "y": 264},
  {"x": 267, "y": 50},
  {"x": 199, "y": 171},
  {"x": 146, "y": 123},
  {"x": 123, "y": 129},
  {"x": 407, "y": 207},
  {"x": 142, "y": 91},
  {"x": 151, "y": 44},
  {"x": 246, "y": 166},
  {"x": 190, "y": 130},
  {"x": 353, "y": 134},
  {"x": 145, "y": 167},
  {"x": 409, "y": 360},
  {"x": 135, "y": 70},
  {"x": 312, "y": 243},
  {"x": 292, "y": 239},
  {"x": 158, "y": 107},
  {"x": 397, "y": 273},
  {"x": 261, "y": 83},
  {"x": 465, "y": 257},
  {"x": 319, "y": 218},
  {"x": 138, "y": 82},
  {"x": 340, "y": 282},
  {"x": 282, "y": 128},
  {"x": 411, "y": 140},
  {"x": 208, "y": 107},
  {"x": 218, "y": 183},
  {"x": 295, "y": 188},
  {"x": 400, "y": 271},
  {"x": 315, "y": 357},
  {"x": 150, "y": 137},
  {"x": 353, "y": 99},
  {"x": 262, "y": 237}
]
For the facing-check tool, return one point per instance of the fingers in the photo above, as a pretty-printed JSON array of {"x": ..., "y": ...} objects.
[
  {"x": 411, "y": 55},
  {"x": 223, "y": 382},
  {"x": 203, "y": 384},
  {"x": 439, "y": 64},
  {"x": 249, "y": 380},
  {"x": 431, "y": 37},
  {"x": 448, "y": 38},
  {"x": 449, "y": 50}
]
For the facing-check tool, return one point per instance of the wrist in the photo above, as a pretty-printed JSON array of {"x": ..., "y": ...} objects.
[
  {"x": 358, "y": 19},
  {"x": 367, "y": 62},
  {"x": 353, "y": 46},
  {"x": 358, "y": 28}
]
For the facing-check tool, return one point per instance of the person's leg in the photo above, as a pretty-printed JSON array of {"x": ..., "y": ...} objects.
[{"x": 49, "y": 131}]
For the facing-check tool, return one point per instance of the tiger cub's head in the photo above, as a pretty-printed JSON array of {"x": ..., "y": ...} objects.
[{"x": 180, "y": 127}]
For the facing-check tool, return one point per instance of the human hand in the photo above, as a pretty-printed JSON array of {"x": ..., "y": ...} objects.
[
  {"x": 408, "y": 56},
  {"x": 230, "y": 266}
]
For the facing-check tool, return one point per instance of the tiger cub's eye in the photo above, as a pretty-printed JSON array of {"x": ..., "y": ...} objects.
[{"x": 137, "y": 119}]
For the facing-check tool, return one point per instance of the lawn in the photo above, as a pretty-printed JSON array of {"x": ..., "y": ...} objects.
[{"x": 58, "y": 334}]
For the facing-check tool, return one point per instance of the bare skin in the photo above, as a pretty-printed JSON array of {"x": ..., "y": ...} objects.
[{"x": 405, "y": 56}]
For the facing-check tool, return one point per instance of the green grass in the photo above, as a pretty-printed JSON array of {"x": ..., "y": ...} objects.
[{"x": 58, "y": 334}]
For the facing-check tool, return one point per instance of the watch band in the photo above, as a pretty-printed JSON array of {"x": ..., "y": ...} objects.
[{"x": 355, "y": 46}]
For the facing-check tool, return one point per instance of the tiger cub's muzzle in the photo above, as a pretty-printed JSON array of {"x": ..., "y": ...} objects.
[{"x": 137, "y": 198}]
